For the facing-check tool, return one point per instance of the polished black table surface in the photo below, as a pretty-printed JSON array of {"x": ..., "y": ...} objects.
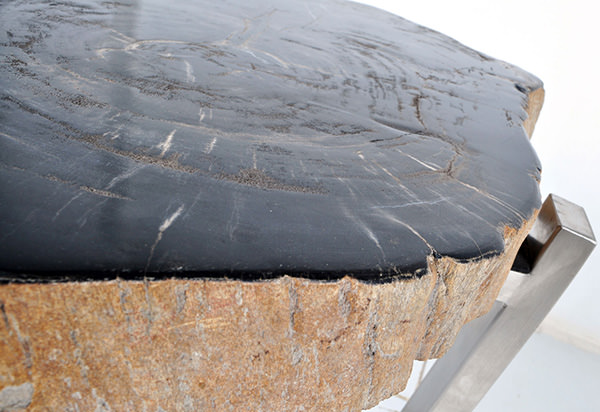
[{"x": 250, "y": 140}]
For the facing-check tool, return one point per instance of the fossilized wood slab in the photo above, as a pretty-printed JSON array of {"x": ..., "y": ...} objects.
[{"x": 247, "y": 205}]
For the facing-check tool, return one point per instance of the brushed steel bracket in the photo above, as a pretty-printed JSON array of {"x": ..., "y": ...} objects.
[{"x": 562, "y": 240}]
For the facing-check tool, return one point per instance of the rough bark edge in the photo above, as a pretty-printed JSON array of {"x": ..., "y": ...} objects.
[
  {"x": 283, "y": 344},
  {"x": 535, "y": 101}
]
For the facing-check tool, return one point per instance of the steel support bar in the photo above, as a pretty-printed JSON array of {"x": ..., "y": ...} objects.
[{"x": 485, "y": 346}]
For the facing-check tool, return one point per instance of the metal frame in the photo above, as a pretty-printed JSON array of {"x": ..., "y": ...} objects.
[{"x": 485, "y": 346}]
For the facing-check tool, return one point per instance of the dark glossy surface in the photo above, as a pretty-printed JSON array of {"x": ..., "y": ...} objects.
[{"x": 251, "y": 139}]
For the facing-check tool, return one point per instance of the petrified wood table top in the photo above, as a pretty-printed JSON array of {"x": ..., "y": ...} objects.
[
  {"x": 247, "y": 140},
  {"x": 171, "y": 144}
]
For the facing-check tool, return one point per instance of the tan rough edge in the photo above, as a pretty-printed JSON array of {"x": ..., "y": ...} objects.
[
  {"x": 189, "y": 345},
  {"x": 534, "y": 106}
]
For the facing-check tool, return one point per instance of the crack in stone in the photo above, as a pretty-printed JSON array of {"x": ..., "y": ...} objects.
[{"x": 161, "y": 229}]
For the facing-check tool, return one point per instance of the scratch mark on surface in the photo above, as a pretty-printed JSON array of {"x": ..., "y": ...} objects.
[
  {"x": 302, "y": 166},
  {"x": 415, "y": 232},
  {"x": 100, "y": 52},
  {"x": 258, "y": 29},
  {"x": 201, "y": 115},
  {"x": 372, "y": 236},
  {"x": 196, "y": 199},
  {"x": 136, "y": 44},
  {"x": 310, "y": 12},
  {"x": 113, "y": 117},
  {"x": 474, "y": 215},
  {"x": 281, "y": 62},
  {"x": 124, "y": 176},
  {"x": 492, "y": 197},
  {"x": 66, "y": 205},
  {"x": 166, "y": 145},
  {"x": 417, "y": 160},
  {"x": 113, "y": 134},
  {"x": 211, "y": 145},
  {"x": 250, "y": 52},
  {"x": 234, "y": 220},
  {"x": 433, "y": 202},
  {"x": 189, "y": 72},
  {"x": 161, "y": 229},
  {"x": 348, "y": 186},
  {"x": 124, "y": 36},
  {"x": 169, "y": 221},
  {"x": 398, "y": 181},
  {"x": 363, "y": 228},
  {"x": 84, "y": 217},
  {"x": 474, "y": 242}
]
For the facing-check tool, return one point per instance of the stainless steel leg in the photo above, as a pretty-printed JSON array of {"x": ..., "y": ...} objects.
[{"x": 485, "y": 346}]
